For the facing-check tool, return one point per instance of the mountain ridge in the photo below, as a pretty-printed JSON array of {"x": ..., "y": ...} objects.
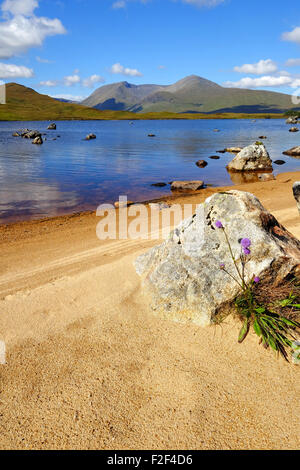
[{"x": 192, "y": 94}]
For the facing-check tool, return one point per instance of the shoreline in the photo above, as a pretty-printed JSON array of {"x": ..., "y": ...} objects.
[{"x": 175, "y": 197}]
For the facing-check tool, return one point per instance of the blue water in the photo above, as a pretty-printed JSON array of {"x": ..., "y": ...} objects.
[{"x": 69, "y": 174}]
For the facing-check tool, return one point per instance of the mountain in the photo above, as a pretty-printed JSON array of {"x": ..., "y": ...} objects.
[
  {"x": 24, "y": 103},
  {"x": 192, "y": 94}
]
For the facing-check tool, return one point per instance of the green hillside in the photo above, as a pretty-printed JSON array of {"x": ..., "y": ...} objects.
[{"x": 25, "y": 104}]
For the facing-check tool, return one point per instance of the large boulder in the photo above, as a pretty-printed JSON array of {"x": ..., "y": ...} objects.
[
  {"x": 296, "y": 191},
  {"x": 293, "y": 152},
  {"x": 186, "y": 185},
  {"x": 183, "y": 274},
  {"x": 252, "y": 158}
]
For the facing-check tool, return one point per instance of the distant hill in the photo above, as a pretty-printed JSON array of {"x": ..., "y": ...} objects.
[
  {"x": 26, "y": 104},
  {"x": 192, "y": 94}
]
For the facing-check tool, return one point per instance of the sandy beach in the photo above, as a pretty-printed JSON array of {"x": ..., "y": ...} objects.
[{"x": 89, "y": 366}]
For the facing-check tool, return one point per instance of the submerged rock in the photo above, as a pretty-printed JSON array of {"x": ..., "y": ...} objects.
[
  {"x": 186, "y": 185},
  {"x": 296, "y": 191},
  {"x": 252, "y": 158},
  {"x": 183, "y": 275},
  {"x": 159, "y": 185}
]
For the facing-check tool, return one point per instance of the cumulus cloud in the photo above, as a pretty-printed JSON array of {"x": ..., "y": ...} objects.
[
  {"x": 71, "y": 80},
  {"x": 292, "y": 62},
  {"x": 43, "y": 61},
  {"x": 259, "y": 68},
  {"x": 13, "y": 71},
  {"x": 91, "y": 81},
  {"x": 293, "y": 36},
  {"x": 259, "y": 82},
  {"x": 21, "y": 30},
  {"x": 120, "y": 69},
  {"x": 49, "y": 83},
  {"x": 119, "y": 4}
]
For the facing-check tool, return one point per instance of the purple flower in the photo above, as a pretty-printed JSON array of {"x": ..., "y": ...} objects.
[
  {"x": 246, "y": 251},
  {"x": 256, "y": 279},
  {"x": 222, "y": 266},
  {"x": 245, "y": 242},
  {"x": 219, "y": 224}
]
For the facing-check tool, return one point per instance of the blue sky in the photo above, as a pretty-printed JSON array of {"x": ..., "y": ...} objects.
[{"x": 70, "y": 47}]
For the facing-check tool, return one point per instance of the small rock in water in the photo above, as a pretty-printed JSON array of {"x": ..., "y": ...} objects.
[
  {"x": 30, "y": 134},
  {"x": 215, "y": 157},
  {"x": 90, "y": 137},
  {"x": 216, "y": 130},
  {"x": 52, "y": 126},
  {"x": 186, "y": 185},
  {"x": 16, "y": 134},
  {"x": 201, "y": 163},
  {"x": 262, "y": 137},
  {"x": 279, "y": 162},
  {"x": 294, "y": 129},
  {"x": 38, "y": 140},
  {"x": 221, "y": 151},
  {"x": 233, "y": 149},
  {"x": 151, "y": 135},
  {"x": 159, "y": 185},
  {"x": 293, "y": 152}
]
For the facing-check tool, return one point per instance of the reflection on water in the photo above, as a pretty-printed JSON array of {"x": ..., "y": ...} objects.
[
  {"x": 242, "y": 177},
  {"x": 70, "y": 174}
]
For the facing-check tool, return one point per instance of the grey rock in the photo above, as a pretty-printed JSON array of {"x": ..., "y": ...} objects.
[
  {"x": 252, "y": 158},
  {"x": 186, "y": 185},
  {"x": 52, "y": 126},
  {"x": 292, "y": 120},
  {"x": 90, "y": 137},
  {"x": 37, "y": 140},
  {"x": 296, "y": 191},
  {"x": 183, "y": 274},
  {"x": 31, "y": 134},
  {"x": 293, "y": 152}
]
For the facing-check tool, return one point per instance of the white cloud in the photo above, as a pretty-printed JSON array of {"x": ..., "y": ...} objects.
[
  {"x": 265, "y": 81},
  {"x": 71, "y": 80},
  {"x": 12, "y": 71},
  {"x": 292, "y": 63},
  {"x": 204, "y": 3},
  {"x": 119, "y": 4},
  {"x": 69, "y": 97},
  {"x": 259, "y": 68},
  {"x": 21, "y": 29},
  {"x": 120, "y": 69},
  {"x": 91, "y": 81},
  {"x": 20, "y": 7},
  {"x": 293, "y": 36},
  {"x": 49, "y": 83}
]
